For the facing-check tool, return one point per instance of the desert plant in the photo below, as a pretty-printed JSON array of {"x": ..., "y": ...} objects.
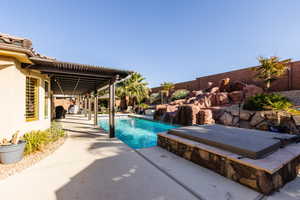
[
  {"x": 154, "y": 97},
  {"x": 270, "y": 69},
  {"x": 267, "y": 102},
  {"x": 37, "y": 140},
  {"x": 179, "y": 94},
  {"x": 166, "y": 88}
]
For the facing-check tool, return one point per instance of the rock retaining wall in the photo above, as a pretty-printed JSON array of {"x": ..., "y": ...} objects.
[
  {"x": 256, "y": 179},
  {"x": 280, "y": 121}
]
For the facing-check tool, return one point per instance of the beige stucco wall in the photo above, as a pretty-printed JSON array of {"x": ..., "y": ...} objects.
[{"x": 12, "y": 99}]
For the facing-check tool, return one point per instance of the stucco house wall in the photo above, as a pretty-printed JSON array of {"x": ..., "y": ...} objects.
[{"x": 13, "y": 99}]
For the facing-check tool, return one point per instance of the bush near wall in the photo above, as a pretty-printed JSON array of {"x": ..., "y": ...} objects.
[
  {"x": 180, "y": 94},
  {"x": 267, "y": 102},
  {"x": 38, "y": 140}
]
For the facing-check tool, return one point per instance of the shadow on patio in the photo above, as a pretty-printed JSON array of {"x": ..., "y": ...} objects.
[{"x": 119, "y": 173}]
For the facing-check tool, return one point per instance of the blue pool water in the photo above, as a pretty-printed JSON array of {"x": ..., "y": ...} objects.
[{"x": 137, "y": 133}]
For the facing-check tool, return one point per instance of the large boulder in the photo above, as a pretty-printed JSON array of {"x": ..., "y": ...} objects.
[
  {"x": 221, "y": 98},
  {"x": 178, "y": 102},
  {"x": 186, "y": 114},
  {"x": 205, "y": 100},
  {"x": 237, "y": 86},
  {"x": 191, "y": 100},
  {"x": 214, "y": 90},
  {"x": 236, "y": 96},
  {"x": 205, "y": 116},
  {"x": 210, "y": 85},
  {"x": 226, "y": 119},
  {"x": 160, "y": 110},
  {"x": 217, "y": 111},
  {"x": 252, "y": 90},
  {"x": 195, "y": 93},
  {"x": 224, "y": 85},
  {"x": 257, "y": 118}
]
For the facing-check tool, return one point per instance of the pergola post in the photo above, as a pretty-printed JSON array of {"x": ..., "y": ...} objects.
[
  {"x": 90, "y": 108},
  {"x": 111, "y": 109},
  {"x": 85, "y": 106},
  {"x": 96, "y": 109}
]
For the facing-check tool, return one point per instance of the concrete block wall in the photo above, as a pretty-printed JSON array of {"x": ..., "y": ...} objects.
[{"x": 289, "y": 81}]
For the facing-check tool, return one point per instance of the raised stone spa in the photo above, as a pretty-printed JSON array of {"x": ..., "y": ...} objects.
[{"x": 261, "y": 160}]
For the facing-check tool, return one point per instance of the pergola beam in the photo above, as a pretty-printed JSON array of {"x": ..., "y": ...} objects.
[{"x": 50, "y": 70}]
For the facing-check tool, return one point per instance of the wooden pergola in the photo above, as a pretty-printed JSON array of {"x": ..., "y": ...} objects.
[{"x": 82, "y": 80}]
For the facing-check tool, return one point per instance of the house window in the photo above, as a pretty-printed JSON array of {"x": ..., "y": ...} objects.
[
  {"x": 46, "y": 109},
  {"x": 32, "y": 99}
]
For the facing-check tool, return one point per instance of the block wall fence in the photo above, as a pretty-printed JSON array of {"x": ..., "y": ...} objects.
[{"x": 289, "y": 81}]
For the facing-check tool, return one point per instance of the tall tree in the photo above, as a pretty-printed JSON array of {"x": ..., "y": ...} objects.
[
  {"x": 166, "y": 88},
  {"x": 270, "y": 69},
  {"x": 135, "y": 88}
]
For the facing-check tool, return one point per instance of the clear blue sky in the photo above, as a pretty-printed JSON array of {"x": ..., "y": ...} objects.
[{"x": 165, "y": 40}]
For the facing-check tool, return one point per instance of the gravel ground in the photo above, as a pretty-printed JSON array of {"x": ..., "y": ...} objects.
[{"x": 29, "y": 160}]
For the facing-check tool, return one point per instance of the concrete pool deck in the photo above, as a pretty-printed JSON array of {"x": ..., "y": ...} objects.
[{"x": 90, "y": 166}]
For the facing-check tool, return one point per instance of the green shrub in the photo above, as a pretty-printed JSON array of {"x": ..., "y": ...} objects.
[
  {"x": 37, "y": 140},
  {"x": 179, "y": 94},
  {"x": 154, "y": 97},
  {"x": 267, "y": 102},
  {"x": 143, "y": 106}
]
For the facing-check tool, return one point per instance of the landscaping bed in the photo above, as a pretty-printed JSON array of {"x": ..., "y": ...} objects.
[
  {"x": 29, "y": 160},
  {"x": 39, "y": 144}
]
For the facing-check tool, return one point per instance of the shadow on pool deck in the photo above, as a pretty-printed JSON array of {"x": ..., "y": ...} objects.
[{"x": 119, "y": 174}]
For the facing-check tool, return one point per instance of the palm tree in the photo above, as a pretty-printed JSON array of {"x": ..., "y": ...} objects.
[
  {"x": 135, "y": 88},
  {"x": 270, "y": 69},
  {"x": 166, "y": 88}
]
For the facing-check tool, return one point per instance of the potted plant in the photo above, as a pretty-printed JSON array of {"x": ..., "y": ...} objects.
[{"x": 11, "y": 151}]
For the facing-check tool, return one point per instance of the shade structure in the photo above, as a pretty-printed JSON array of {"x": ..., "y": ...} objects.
[
  {"x": 78, "y": 79},
  {"x": 73, "y": 78}
]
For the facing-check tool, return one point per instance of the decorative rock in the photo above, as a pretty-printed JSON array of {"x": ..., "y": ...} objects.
[
  {"x": 160, "y": 110},
  {"x": 221, "y": 99},
  {"x": 237, "y": 86},
  {"x": 217, "y": 112},
  {"x": 171, "y": 108},
  {"x": 256, "y": 119},
  {"x": 214, "y": 90},
  {"x": 235, "y": 121},
  {"x": 263, "y": 126},
  {"x": 296, "y": 119},
  {"x": 209, "y": 86},
  {"x": 224, "y": 85},
  {"x": 191, "y": 100},
  {"x": 234, "y": 112},
  {"x": 236, "y": 96},
  {"x": 186, "y": 115},
  {"x": 206, "y": 100},
  {"x": 205, "y": 117},
  {"x": 197, "y": 93},
  {"x": 245, "y": 115},
  {"x": 178, "y": 102},
  {"x": 226, "y": 119},
  {"x": 252, "y": 90}
]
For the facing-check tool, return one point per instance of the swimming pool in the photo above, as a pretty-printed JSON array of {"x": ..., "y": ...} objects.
[{"x": 135, "y": 132}]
